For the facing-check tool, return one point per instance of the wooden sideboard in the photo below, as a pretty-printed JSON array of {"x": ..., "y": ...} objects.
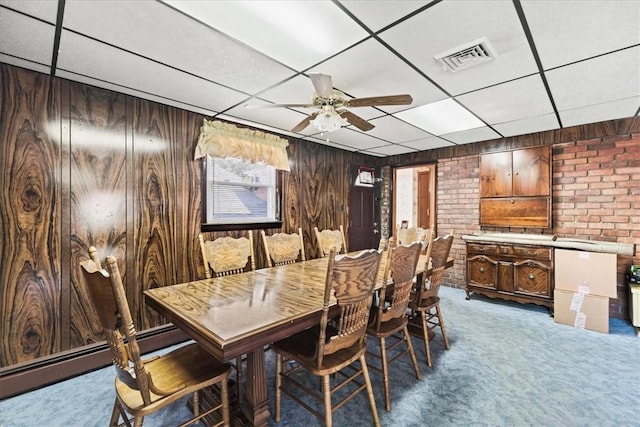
[{"x": 511, "y": 271}]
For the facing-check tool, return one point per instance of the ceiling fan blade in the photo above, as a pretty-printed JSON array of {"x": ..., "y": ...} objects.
[
  {"x": 323, "y": 84},
  {"x": 355, "y": 120},
  {"x": 304, "y": 123},
  {"x": 380, "y": 100},
  {"x": 278, "y": 105}
]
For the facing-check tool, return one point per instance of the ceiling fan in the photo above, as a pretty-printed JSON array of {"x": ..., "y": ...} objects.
[{"x": 333, "y": 103}]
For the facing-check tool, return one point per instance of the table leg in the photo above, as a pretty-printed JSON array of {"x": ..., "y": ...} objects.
[{"x": 257, "y": 402}]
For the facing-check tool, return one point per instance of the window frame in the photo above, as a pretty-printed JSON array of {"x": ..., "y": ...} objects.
[{"x": 205, "y": 226}]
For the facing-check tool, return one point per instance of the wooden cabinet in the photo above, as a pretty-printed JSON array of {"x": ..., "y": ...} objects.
[
  {"x": 515, "y": 188},
  {"x": 515, "y": 272}
]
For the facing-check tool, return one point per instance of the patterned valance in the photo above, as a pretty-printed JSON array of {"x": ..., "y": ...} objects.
[{"x": 220, "y": 139}]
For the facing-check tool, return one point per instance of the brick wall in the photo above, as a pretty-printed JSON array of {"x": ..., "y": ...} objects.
[
  {"x": 458, "y": 208},
  {"x": 596, "y": 195}
]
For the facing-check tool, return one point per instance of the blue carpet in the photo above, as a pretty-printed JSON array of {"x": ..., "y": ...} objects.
[{"x": 509, "y": 365}]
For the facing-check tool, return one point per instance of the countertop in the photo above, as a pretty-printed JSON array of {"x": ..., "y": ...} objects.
[{"x": 552, "y": 241}]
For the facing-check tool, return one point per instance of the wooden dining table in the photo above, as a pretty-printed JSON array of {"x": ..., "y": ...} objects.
[{"x": 239, "y": 314}]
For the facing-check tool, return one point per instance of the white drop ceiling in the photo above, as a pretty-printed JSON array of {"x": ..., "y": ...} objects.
[{"x": 558, "y": 63}]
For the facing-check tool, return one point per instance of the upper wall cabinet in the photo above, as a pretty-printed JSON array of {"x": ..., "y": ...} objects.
[{"x": 515, "y": 188}]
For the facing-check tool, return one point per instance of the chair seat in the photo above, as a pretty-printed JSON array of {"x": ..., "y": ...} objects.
[
  {"x": 390, "y": 327},
  {"x": 426, "y": 303},
  {"x": 302, "y": 348},
  {"x": 181, "y": 372}
]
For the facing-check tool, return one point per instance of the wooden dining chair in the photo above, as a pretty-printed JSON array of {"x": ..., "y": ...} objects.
[
  {"x": 335, "y": 344},
  {"x": 223, "y": 257},
  {"x": 227, "y": 255},
  {"x": 283, "y": 248},
  {"x": 425, "y": 303},
  {"x": 390, "y": 319},
  {"x": 146, "y": 386},
  {"x": 328, "y": 239}
]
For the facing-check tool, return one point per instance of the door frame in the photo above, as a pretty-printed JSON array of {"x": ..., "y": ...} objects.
[{"x": 431, "y": 167}]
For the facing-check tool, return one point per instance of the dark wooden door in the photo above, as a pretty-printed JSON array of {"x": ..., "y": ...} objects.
[{"x": 364, "y": 222}]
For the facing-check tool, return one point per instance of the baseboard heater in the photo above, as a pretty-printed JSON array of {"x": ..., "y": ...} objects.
[{"x": 23, "y": 377}]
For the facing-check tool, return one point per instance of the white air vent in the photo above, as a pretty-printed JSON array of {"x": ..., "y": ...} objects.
[{"x": 467, "y": 55}]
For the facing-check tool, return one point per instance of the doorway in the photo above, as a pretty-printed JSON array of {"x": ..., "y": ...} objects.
[{"x": 414, "y": 189}]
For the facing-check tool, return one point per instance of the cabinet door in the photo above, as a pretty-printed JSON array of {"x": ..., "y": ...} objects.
[
  {"x": 495, "y": 174},
  {"x": 531, "y": 172},
  {"x": 532, "y": 278},
  {"x": 505, "y": 276},
  {"x": 482, "y": 271}
]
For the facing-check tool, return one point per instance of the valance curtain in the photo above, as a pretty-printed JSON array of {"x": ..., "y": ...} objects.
[{"x": 220, "y": 139}]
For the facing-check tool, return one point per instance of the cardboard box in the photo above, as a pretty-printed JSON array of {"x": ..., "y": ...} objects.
[
  {"x": 581, "y": 310},
  {"x": 589, "y": 273}
]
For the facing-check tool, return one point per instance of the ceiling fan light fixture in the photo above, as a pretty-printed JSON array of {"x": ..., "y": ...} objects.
[{"x": 328, "y": 120}]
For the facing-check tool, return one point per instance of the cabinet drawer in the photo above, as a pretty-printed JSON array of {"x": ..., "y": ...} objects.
[
  {"x": 482, "y": 249},
  {"x": 529, "y": 252}
]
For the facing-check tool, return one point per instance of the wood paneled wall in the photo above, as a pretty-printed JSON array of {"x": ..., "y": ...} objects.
[{"x": 83, "y": 166}]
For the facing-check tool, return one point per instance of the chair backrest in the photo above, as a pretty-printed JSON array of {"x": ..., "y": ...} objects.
[
  {"x": 328, "y": 239},
  {"x": 406, "y": 236},
  {"x": 440, "y": 248},
  {"x": 283, "y": 248},
  {"x": 227, "y": 255},
  {"x": 351, "y": 279},
  {"x": 110, "y": 303},
  {"x": 401, "y": 268}
]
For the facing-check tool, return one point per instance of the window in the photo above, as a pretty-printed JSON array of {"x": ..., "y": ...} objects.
[{"x": 240, "y": 192}]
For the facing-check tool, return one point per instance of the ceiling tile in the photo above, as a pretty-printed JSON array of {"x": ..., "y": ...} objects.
[
  {"x": 297, "y": 33},
  {"x": 527, "y": 125},
  {"x": 390, "y": 150},
  {"x": 281, "y": 118},
  {"x": 606, "y": 78},
  {"x": 441, "y": 117},
  {"x": 46, "y": 10},
  {"x": 429, "y": 143},
  {"x": 471, "y": 135},
  {"x": 562, "y": 34},
  {"x": 389, "y": 128},
  {"x": 355, "y": 139},
  {"x": 37, "y": 47},
  {"x": 498, "y": 104},
  {"x": 87, "y": 57},
  {"x": 297, "y": 90},
  {"x": 157, "y": 32},
  {"x": 329, "y": 143},
  {"x": 450, "y": 24},
  {"x": 34, "y": 66},
  {"x": 600, "y": 112}
]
